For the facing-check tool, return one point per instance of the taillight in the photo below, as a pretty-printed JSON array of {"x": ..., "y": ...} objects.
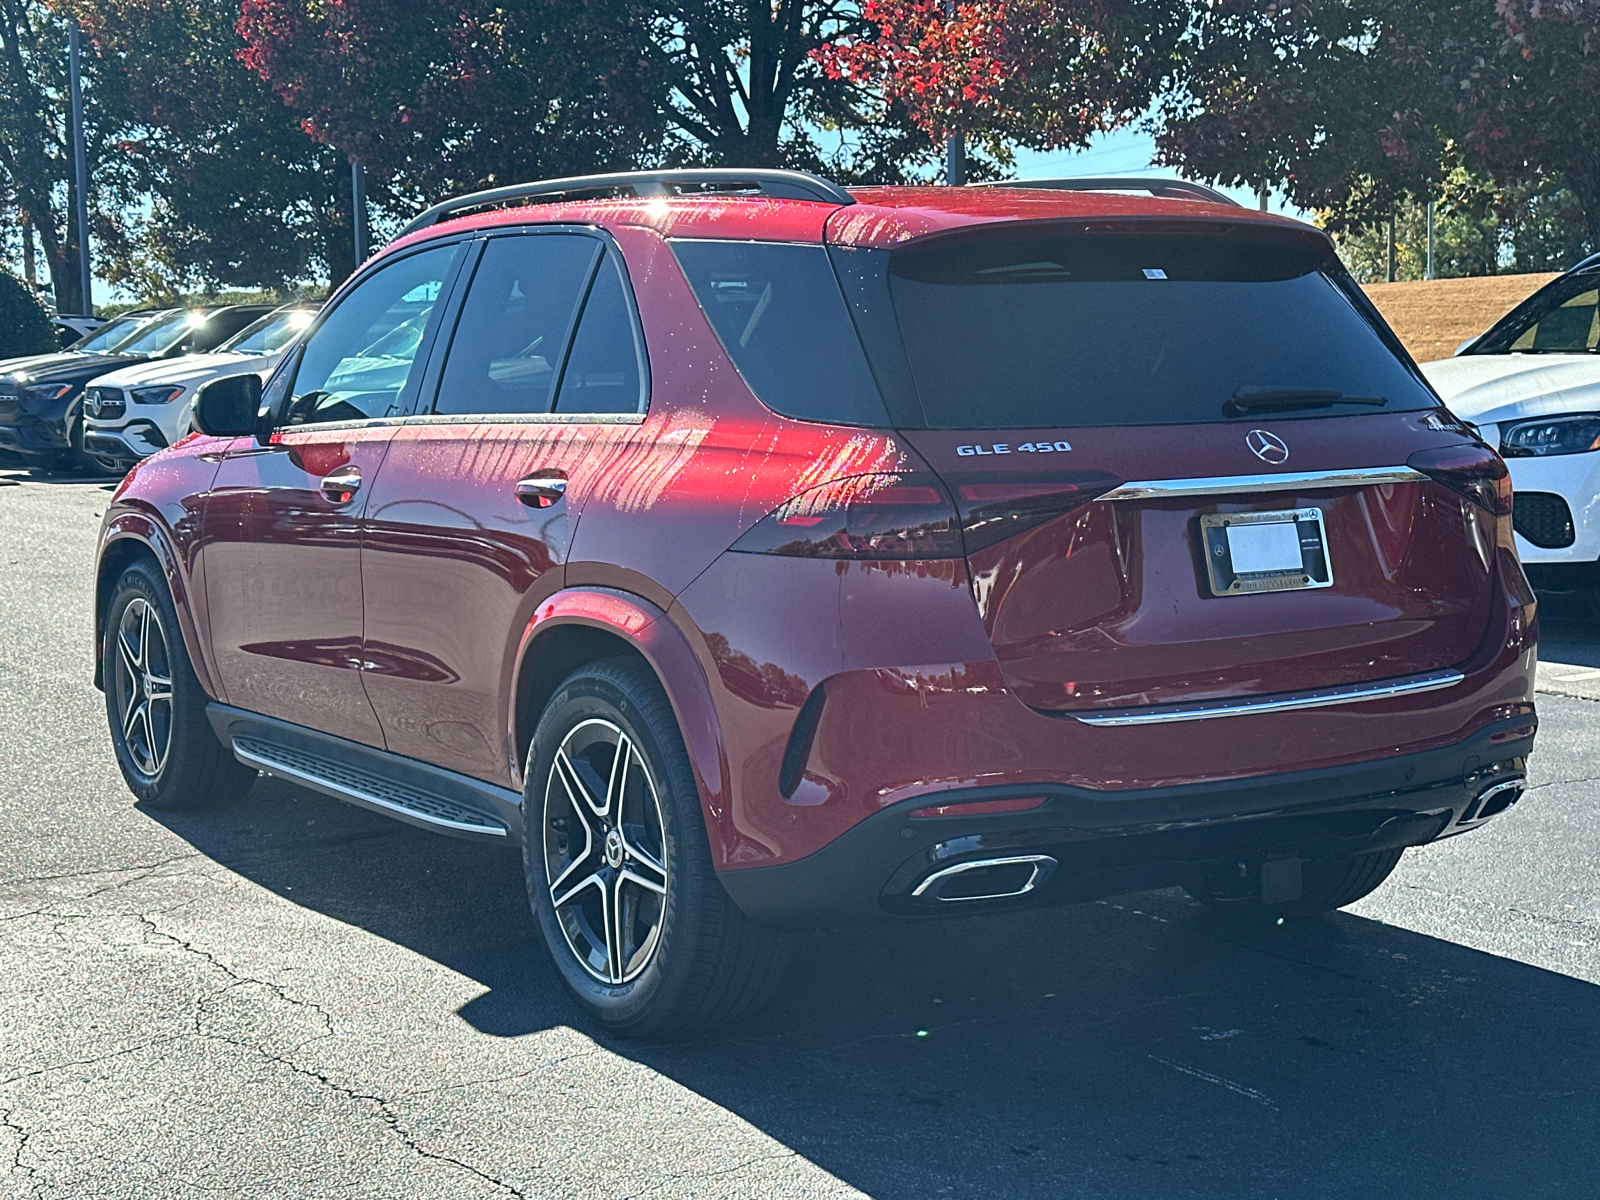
[
  {"x": 1475, "y": 471},
  {"x": 995, "y": 509},
  {"x": 902, "y": 515}
]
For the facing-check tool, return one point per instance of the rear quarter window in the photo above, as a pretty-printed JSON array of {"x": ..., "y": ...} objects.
[{"x": 779, "y": 313}]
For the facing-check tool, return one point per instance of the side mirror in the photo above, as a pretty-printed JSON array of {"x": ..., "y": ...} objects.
[{"x": 227, "y": 407}]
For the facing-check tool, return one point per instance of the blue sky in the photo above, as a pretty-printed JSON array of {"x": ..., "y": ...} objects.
[{"x": 1125, "y": 152}]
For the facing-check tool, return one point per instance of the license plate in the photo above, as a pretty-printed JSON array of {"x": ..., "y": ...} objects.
[{"x": 1265, "y": 552}]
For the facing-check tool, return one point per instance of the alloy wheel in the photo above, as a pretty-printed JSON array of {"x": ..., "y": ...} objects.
[
  {"x": 604, "y": 851},
  {"x": 143, "y": 681}
]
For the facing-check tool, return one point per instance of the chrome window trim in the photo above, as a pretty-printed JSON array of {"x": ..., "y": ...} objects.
[
  {"x": 1353, "y": 693},
  {"x": 1294, "y": 481}
]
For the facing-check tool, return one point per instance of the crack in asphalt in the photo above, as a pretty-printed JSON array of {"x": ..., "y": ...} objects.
[
  {"x": 23, "y": 1135},
  {"x": 682, "y": 1176},
  {"x": 1570, "y": 924},
  {"x": 383, "y": 1105}
]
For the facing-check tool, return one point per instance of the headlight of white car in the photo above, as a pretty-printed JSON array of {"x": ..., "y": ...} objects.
[
  {"x": 1551, "y": 435},
  {"x": 161, "y": 394}
]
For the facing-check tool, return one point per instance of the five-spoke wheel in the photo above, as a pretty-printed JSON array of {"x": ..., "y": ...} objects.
[
  {"x": 619, "y": 867},
  {"x": 603, "y": 838},
  {"x": 155, "y": 706},
  {"x": 141, "y": 683}
]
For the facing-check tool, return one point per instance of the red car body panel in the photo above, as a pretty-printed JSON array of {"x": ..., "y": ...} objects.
[{"x": 411, "y": 617}]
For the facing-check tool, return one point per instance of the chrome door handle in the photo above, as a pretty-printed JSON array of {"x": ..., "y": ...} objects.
[
  {"x": 341, "y": 485},
  {"x": 542, "y": 489}
]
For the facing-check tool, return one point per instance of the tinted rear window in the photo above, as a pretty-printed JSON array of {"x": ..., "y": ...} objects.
[
  {"x": 1117, "y": 329},
  {"x": 782, "y": 319}
]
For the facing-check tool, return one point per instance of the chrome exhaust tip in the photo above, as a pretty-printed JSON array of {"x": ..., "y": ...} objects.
[
  {"x": 1490, "y": 802},
  {"x": 986, "y": 879}
]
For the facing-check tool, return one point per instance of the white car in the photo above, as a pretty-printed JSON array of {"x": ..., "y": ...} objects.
[
  {"x": 135, "y": 411},
  {"x": 1531, "y": 385}
]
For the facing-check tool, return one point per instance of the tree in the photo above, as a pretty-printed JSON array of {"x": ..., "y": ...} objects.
[
  {"x": 240, "y": 194},
  {"x": 36, "y": 145},
  {"x": 1535, "y": 106},
  {"x": 1356, "y": 108},
  {"x": 24, "y": 325},
  {"x": 437, "y": 96},
  {"x": 1039, "y": 73}
]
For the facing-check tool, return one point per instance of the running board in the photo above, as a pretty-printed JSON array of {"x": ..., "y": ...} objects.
[{"x": 374, "y": 779}]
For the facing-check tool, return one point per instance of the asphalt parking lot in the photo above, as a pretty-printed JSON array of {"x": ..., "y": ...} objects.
[{"x": 292, "y": 997}]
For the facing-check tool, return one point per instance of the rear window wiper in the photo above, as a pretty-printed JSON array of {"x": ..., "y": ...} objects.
[{"x": 1255, "y": 400}]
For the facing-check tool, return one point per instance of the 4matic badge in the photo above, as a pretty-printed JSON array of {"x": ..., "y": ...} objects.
[{"x": 1008, "y": 448}]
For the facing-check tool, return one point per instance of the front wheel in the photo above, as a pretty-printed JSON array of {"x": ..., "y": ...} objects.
[
  {"x": 1327, "y": 884},
  {"x": 619, "y": 870},
  {"x": 155, "y": 706}
]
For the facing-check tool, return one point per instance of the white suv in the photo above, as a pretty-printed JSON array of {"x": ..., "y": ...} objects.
[
  {"x": 135, "y": 411},
  {"x": 1531, "y": 384}
]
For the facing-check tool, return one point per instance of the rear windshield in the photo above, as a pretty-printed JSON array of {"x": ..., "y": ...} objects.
[
  {"x": 1146, "y": 329},
  {"x": 1561, "y": 318}
]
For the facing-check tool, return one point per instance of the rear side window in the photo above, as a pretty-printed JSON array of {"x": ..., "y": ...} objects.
[
  {"x": 513, "y": 329},
  {"x": 781, "y": 317},
  {"x": 603, "y": 373},
  {"x": 1125, "y": 329}
]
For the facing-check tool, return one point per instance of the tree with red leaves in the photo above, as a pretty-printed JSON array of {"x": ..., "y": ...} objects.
[{"x": 1039, "y": 73}]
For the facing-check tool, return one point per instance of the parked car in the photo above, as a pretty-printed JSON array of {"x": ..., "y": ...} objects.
[
  {"x": 134, "y": 411},
  {"x": 41, "y": 410},
  {"x": 71, "y": 329},
  {"x": 756, "y": 553},
  {"x": 1531, "y": 384}
]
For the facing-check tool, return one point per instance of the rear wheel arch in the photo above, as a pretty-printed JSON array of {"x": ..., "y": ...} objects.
[{"x": 580, "y": 626}]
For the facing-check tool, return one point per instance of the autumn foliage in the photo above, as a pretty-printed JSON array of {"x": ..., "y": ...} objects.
[{"x": 1042, "y": 73}]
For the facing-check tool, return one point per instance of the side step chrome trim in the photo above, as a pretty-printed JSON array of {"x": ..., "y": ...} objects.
[
  {"x": 1353, "y": 693},
  {"x": 1296, "y": 481},
  {"x": 363, "y": 788}
]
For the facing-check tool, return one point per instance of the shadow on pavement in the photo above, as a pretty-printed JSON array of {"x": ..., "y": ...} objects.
[{"x": 1138, "y": 1048}]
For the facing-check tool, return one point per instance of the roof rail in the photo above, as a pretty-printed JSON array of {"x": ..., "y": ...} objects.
[
  {"x": 784, "y": 185},
  {"x": 1592, "y": 263},
  {"x": 1163, "y": 189}
]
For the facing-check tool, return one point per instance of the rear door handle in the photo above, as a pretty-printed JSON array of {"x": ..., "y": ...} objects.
[
  {"x": 542, "y": 489},
  {"x": 341, "y": 486}
]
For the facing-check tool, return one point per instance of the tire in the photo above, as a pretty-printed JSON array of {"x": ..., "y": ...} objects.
[
  {"x": 1328, "y": 884},
  {"x": 80, "y": 459},
  {"x": 683, "y": 956},
  {"x": 155, "y": 707}
]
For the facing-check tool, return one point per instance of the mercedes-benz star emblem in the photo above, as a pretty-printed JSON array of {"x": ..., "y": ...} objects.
[{"x": 1268, "y": 447}]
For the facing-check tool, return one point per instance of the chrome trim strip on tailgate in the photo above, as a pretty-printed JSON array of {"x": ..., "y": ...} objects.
[
  {"x": 1352, "y": 693},
  {"x": 1162, "y": 489}
]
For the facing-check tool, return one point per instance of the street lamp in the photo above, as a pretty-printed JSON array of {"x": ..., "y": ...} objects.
[{"x": 80, "y": 168}]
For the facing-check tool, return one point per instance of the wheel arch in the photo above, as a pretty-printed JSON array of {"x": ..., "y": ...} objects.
[
  {"x": 583, "y": 625},
  {"x": 126, "y": 538}
]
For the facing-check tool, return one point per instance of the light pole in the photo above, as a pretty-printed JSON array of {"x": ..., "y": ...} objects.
[
  {"x": 358, "y": 208},
  {"x": 80, "y": 169},
  {"x": 955, "y": 147}
]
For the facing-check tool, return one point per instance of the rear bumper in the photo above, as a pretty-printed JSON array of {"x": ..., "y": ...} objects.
[{"x": 1102, "y": 843}]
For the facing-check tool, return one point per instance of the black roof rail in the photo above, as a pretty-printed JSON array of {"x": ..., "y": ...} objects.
[
  {"x": 780, "y": 185},
  {"x": 1162, "y": 189},
  {"x": 1592, "y": 263}
]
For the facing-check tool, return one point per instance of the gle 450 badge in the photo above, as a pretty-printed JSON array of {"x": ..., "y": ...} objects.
[{"x": 1008, "y": 448}]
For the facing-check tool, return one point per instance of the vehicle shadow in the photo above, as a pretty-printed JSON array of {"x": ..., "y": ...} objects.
[
  {"x": 1567, "y": 625},
  {"x": 1143, "y": 1047}
]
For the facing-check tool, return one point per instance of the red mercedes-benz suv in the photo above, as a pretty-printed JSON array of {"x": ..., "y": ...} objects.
[{"x": 755, "y": 552}]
